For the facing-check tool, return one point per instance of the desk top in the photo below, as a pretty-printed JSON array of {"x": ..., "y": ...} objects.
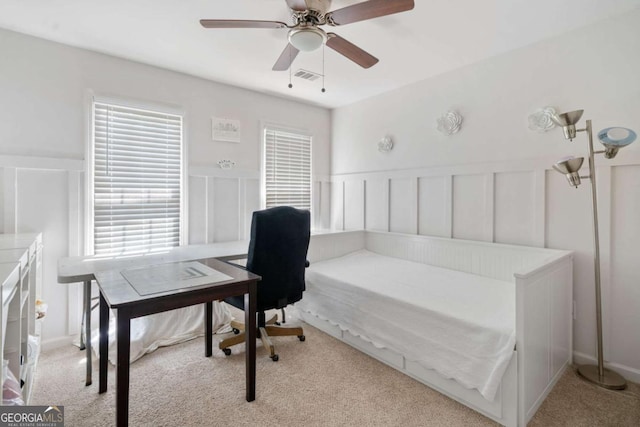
[
  {"x": 119, "y": 293},
  {"x": 80, "y": 269}
]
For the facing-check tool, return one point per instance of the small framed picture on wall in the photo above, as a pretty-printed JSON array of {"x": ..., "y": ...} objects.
[{"x": 225, "y": 130}]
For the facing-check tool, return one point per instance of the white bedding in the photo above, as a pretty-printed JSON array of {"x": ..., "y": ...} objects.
[
  {"x": 461, "y": 325},
  {"x": 163, "y": 329}
]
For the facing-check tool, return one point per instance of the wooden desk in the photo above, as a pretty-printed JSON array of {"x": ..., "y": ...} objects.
[
  {"x": 116, "y": 293},
  {"x": 84, "y": 268}
]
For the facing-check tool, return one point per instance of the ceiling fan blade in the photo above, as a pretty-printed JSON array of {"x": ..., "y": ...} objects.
[
  {"x": 297, "y": 5},
  {"x": 351, "y": 51},
  {"x": 237, "y": 23},
  {"x": 368, "y": 10},
  {"x": 286, "y": 58}
]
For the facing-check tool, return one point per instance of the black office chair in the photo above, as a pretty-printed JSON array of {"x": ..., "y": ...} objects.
[{"x": 277, "y": 253}]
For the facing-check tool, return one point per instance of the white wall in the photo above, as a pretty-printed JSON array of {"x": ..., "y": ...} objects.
[
  {"x": 492, "y": 181},
  {"x": 45, "y": 89}
]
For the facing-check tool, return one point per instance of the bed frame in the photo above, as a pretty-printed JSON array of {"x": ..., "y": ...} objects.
[{"x": 544, "y": 282}]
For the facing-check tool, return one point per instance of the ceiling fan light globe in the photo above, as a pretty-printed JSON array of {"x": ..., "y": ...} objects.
[{"x": 307, "y": 39}]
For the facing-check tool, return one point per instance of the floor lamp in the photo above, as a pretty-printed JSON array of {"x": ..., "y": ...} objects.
[{"x": 613, "y": 139}]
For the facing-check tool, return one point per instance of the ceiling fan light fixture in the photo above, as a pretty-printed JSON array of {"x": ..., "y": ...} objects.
[{"x": 307, "y": 39}]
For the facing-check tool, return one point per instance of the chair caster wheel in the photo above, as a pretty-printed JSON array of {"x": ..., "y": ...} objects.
[
  {"x": 227, "y": 351},
  {"x": 236, "y": 331},
  {"x": 302, "y": 337},
  {"x": 275, "y": 358}
]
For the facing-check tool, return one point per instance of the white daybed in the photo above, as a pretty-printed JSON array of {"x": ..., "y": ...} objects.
[{"x": 486, "y": 324}]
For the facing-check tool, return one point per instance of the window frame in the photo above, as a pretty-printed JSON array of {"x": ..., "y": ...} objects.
[
  {"x": 93, "y": 98},
  {"x": 267, "y": 125}
]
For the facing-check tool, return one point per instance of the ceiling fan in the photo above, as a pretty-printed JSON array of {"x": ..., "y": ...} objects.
[{"x": 308, "y": 16}]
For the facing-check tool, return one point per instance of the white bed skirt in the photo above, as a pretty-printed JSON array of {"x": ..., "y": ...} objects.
[{"x": 163, "y": 329}]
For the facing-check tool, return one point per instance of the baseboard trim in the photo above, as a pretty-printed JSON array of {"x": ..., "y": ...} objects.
[{"x": 629, "y": 373}]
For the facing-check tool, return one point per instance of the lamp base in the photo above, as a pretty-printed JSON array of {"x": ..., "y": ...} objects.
[{"x": 610, "y": 379}]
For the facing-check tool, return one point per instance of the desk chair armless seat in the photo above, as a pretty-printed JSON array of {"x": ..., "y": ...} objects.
[{"x": 277, "y": 253}]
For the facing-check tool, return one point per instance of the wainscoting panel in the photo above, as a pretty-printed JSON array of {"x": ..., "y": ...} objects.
[
  {"x": 435, "y": 206},
  {"x": 316, "y": 194},
  {"x": 377, "y": 204},
  {"x": 323, "y": 210},
  {"x": 515, "y": 208},
  {"x": 226, "y": 198},
  {"x": 251, "y": 203},
  {"x": 42, "y": 205},
  {"x": 624, "y": 293},
  {"x": 354, "y": 198},
  {"x": 473, "y": 207},
  {"x": 337, "y": 205},
  {"x": 198, "y": 210},
  {"x": 403, "y": 203},
  {"x": 569, "y": 226}
]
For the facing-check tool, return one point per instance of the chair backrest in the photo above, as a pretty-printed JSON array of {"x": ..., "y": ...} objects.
[{"x": 278, "y": 253}]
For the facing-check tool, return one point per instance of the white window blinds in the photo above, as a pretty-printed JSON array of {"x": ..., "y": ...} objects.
[
  {"x": 136, "y": 179},
  {"x": 287, "y": 169}
]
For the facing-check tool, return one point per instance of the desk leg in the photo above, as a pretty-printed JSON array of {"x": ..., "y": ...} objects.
[
  {"x": 104, "y": 344},
  {"x": 250, "y": 305},
  {"x": 123, "y": 332},
  {"x": 208, "y": 329},
  {"x": 84, "y": 315},
  {"x": 87, "y": 327}
]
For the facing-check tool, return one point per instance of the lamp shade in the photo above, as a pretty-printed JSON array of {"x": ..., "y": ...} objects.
[
  {"x": 568, "y": 122},
  {"x": 567, "y": 119},
  {"x": 569, "y": 164},
  {"x": 615, "y": 138},
  {"x": 307, "y": 39},
  {"x": 569, "y": 167}
]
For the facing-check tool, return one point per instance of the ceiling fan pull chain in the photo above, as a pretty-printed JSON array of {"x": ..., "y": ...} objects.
[
  {"x": 290, "y": 60},
  {"x": 323, "y": 89}
]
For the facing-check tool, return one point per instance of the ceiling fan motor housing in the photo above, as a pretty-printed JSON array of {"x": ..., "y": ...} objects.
[{"x": 309, "y": 17}]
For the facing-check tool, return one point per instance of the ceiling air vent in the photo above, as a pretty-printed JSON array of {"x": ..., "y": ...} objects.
[{"x": 307, "y": 75}]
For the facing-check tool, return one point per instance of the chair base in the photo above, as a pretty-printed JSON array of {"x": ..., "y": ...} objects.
[{"x": 270, "y": 329}]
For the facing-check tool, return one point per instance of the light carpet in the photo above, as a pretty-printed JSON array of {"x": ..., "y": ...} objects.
[{"x": 319, "y": 382}]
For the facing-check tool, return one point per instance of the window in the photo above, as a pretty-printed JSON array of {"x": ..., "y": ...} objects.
[
  {"x": 287, "y": 169},
  {"x": 136, "y": 179}
]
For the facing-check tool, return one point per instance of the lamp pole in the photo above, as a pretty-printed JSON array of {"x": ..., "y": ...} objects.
[
  {"x": 598, "y": 374},
  {"x": 596, "y": 244}
]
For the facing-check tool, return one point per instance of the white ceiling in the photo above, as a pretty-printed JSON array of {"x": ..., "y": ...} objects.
[{"x": 436, "y": 37}]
